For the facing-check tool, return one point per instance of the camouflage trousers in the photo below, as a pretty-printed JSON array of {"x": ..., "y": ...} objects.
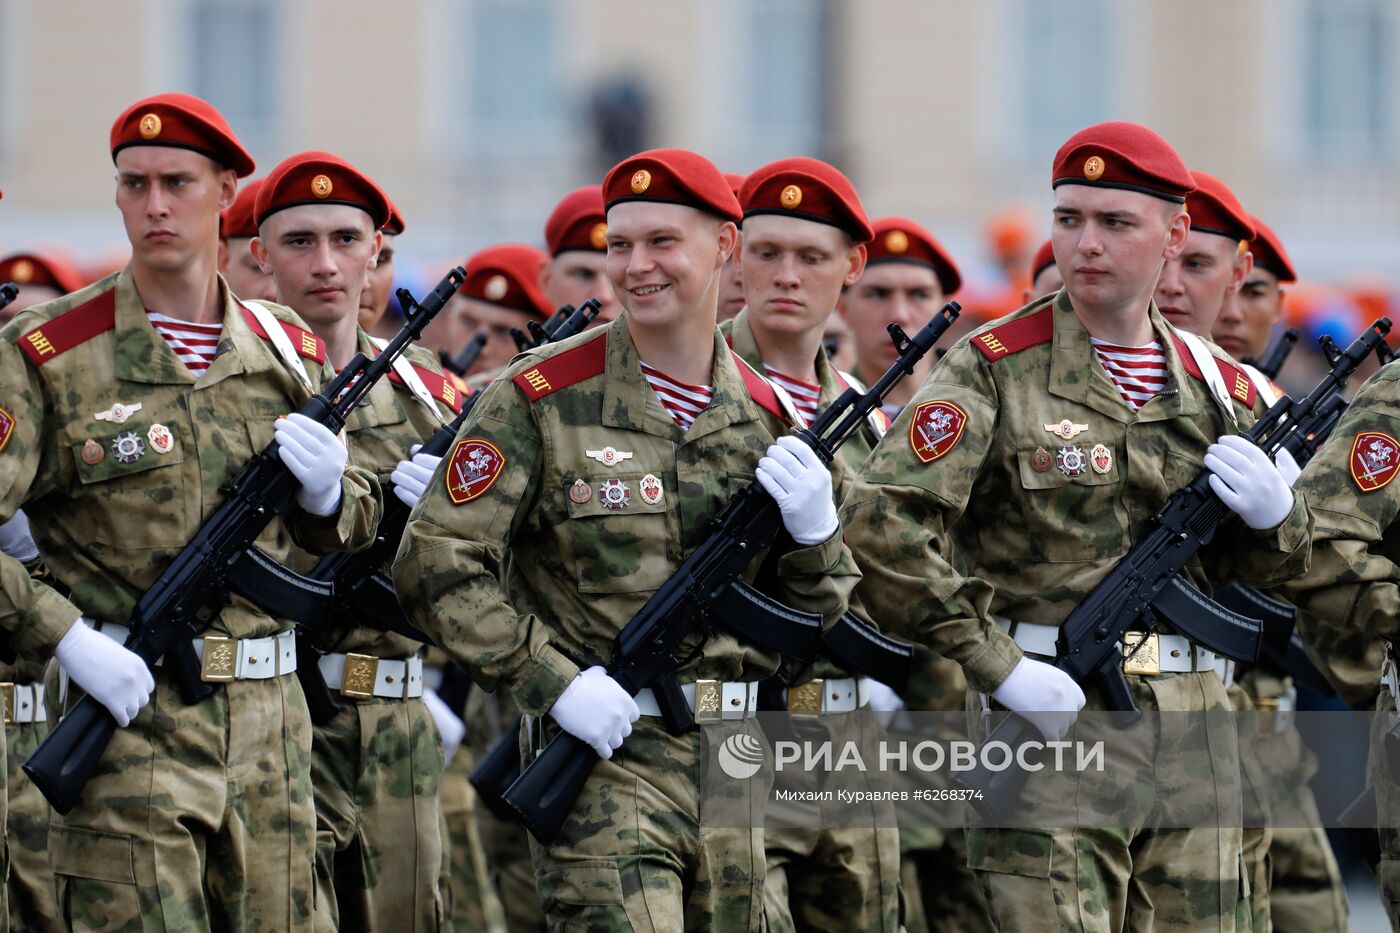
[
  {"x": 1387, "y": 783},
  {"x": 376, "y": 768},
  {"x": 199, "y": 816},
  {"x": 474, "y": 905},
  {"x": 939, "y": 893},
  {"x": 1258, "y": 834},
  {"x": 1134, "y": 877},
  {"x": 30, "y": 886},
  {"x": 821, "y": 874},
  {"x": 637, "y": 852}
]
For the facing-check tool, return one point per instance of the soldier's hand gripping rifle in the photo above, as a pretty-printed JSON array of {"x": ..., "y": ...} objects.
[
  {"x": 459, "y": 365},
  {"x": 706, "y": 589},
  {"x": 1147, "y": 583},
  {"x": 359, "y": 589},
  {"x": 195, "y": 586}
]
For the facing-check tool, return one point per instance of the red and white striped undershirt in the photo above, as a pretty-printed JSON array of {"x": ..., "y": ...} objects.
[
  {"x": 804, "y": 395},
  {"x": 1138, "y": 372},
  {"x": 194, "y": 344},
  {"x": 681, "y": 400}
]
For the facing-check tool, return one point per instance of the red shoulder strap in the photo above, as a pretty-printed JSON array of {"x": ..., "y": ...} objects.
[
  {"x": 305, "y": 342},
  {"x": 1237, "y": 381},
  {"x": 1015, "y": 336},
  {"x": 72, "y": 327},
  {"x": 438, "y": 386},
  {"x": 759, "y": 390},
  {"x": 574, "y": 365}
]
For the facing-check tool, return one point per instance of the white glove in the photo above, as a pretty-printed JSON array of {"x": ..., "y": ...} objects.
[
  {"x": 316, "y": 458},
  {"x": 15, "y": 539},
  {"x": 596, "y": 709},
  {"x": 412, "y": 477},
  {"x": 113, "y": 676},
  {"x": 800, "y": 483},
  {"x": 1248, "y": 482},
  {"x": 1042, "y": 693},
  {"x": 452, "y": 729},
  {"x": 1287, "y": 467}
]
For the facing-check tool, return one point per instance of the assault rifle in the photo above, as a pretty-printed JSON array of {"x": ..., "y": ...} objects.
[
  {"x": 459, "y": 365},
  {"x": 1146, "y": 584},
  {"x": 1272, "y": 361},
  {"x": 194, "y": 588},
  {"x": 707, "y": 588},
  {"x": 8, "y": 293},
  {"x": 540, "y": 333}
]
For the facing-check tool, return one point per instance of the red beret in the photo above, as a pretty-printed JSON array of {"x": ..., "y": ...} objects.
[
  {"x": 672, "y": 176},
  {"x": 33, "y": 269},
  {"x": 809, "y": 189},
  {"x": 578, "y": 222},
  {"x": 394, "y": 226},
  {"x": 736, "y": 181},
  {"x": 237, "y": 220},
  {"x": 899, "y": 239},
  {"x": 183, "y": 122},
  {"x": 508, "y": 275},
  {"x": 320, "y": 178},
  {"x": 1122, "y": 155},
  {"x": 1215, "y": 209},
  {"x": 1044, "y": 258},
  {"x": 1269, "y": 252}
]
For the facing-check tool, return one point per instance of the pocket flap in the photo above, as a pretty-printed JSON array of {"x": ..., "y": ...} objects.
[
  {"x": 591, "y": 883},
  {"x": 1024, "y": 852},
  {"x": 86, "y": 853}
]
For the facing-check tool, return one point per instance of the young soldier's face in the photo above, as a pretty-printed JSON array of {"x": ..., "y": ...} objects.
[
  {"x": 793, "y": 271},
  {"x": 319, "y": 256},
  {"x": 731, "y": 286},
  {"x": 245, "y": 277},
  {"x": 374, "y": 300},
  {"x": 889, "y": 292},
  {"x": 664, "y": 260},
  {"x": 576, "y": 275},
  {"x": 1110, "y": 243},
  {"x": 1248, "y": 318},
  {"x": 1046, "y": 283},
  {"x": 170, "y": 201},
  {"x": 1193, "y": 286},
  {"x": 497, "y": 322}
]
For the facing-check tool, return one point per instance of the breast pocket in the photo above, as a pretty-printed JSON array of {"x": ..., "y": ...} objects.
[
  {"x": 1069, "y": 504},
  {"x": 618, "y": 532},
  {"x": 130, "y": 496}
]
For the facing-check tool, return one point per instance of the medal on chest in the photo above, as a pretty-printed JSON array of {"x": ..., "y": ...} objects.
[
  {"x": 161, "y": 440},
  {"x": 650, "y": 488},
  {"x": 1070, "y": 460},
  {"x": 614, "y": 494},
  {"x": 1041, "y": 460},
  {"x": 128, "y": 448},
  {"x": 580, "y": 492},
  {"x": 1101, "y": 458}
]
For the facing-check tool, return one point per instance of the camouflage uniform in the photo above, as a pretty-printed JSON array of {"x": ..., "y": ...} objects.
[
  {"x": 30, "y": 886},
  {"x": 1352, "y": 580},
  {"x": 807, "y": 886},
  {"x": 377, "y": 765},
  {"x": 1258, "y": 832},
  {"x": 198, "y": 815},
  {"x": 635, "y": 852},
  {"x": 1032, "y": 540}
]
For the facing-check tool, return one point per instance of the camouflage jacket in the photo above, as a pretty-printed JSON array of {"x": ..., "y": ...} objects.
[
  {"x": 1020, "y": 456},
  {"x": 570, "y": 463},
  {"x": 113, "y": 495}
]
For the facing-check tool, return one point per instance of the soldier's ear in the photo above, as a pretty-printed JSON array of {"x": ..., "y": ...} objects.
[
  {"x": 228, "y": 188},
  {"x": 259, "y": 251},
  {"x": 855, "y": 264},
  {"x": 1177, "y": 232},
  {"x": 728, "y": 241}
]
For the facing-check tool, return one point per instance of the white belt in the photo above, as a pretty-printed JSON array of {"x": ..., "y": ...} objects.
[
  {"x": 1175, "y": 653},
  {"x": 728, "y": 699},
  {"x": 24, "y": 703},
  {"x": 362, "y": 676},
  {"x": 1389, "y": 677},
  {"x": 1225, "y": 667},
  {"x": 828, "y": 695},
  {"x": 223, "y": 658}
]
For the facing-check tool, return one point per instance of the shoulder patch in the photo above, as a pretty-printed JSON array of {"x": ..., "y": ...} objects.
[
  {"x": 1237, "y": 381},
  {"x": 72, "y": 327},
  {"x": 936, "y": 428},
  {"x": 1015, "y": 336},
  {"x": 1375, "y": 459},
  {"x": 574, "y": 365},
  {"x": 438, "y": 386},
  {"x": 305, "y": 342},
  {"x": 472, "y": 468},
  {"x": 759, "y": 390},
  {"x": 7, "y": 427}
]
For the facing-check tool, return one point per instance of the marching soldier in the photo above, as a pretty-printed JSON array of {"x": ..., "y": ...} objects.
[
  {"x": 597, "y": 463},
  {"x": 374, "y": 297},
  {"x": 376, "y": 765},
  {"x": 502, "y": 291},
  {"x": 129, "y": 404},
  {"x": 731, "y": 284},
  {"x": 1051, "y": 458},
  {"x": 237, "y": 227},
  {"x": 40, "y": 279},
  {"x": 576, "y": 237}
]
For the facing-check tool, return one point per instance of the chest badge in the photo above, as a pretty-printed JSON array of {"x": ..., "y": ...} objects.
[
  {"x": 1066, "y": 430},
  {"x": 651, "y": 489},
  {"x": 609, "y": 456},
  {"x": 128, "y": 448},
  {"x": 160, "y": 438},
  {"x": 1101, "y": 458},
  {"x": 93, "y": 452},
  {"x": 614, "y": 494},
  {"x": 1375, "y": 458},
  {"x": 1041, "y": 460},
  {"x": 1070, "y": 460},
  {"x": 580, "y": 492},
  {"x": 118, "y": 413}
]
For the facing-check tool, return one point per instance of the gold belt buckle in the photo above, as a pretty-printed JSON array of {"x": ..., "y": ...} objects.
[
  {"x": 1141, "y": 654},
  {"x": 709, "y": 701},
  {"x": 806, "y": 699},
  {"x": 357, "y": 680},
  {"x": 220, "y": 659},
  {"x": 8, "y": 691}
]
